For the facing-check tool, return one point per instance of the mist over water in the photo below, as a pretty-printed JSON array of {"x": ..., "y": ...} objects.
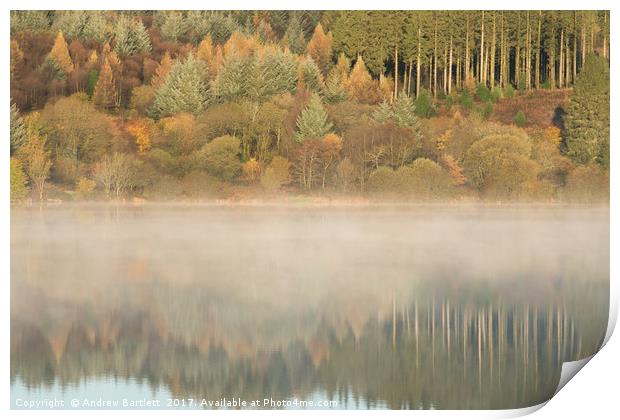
[{"x": 398, "y": 307}]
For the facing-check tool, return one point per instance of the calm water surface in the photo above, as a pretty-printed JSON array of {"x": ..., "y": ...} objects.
[{"x": 403, "y": 307}]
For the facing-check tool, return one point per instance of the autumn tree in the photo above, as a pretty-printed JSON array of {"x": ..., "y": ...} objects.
[
  {"x": 331, "y": 146},
  {"x": 320, "y": 48},
  {"x": 162, "y": 70},
  {"x": 360, "y": 85},
  {"x": 59, "y": 59},
  {"x": 78, "y": 134},
  {"x": 19, "y": 182},
  {"x": 35, "y": 155},
  {"x": 116, "y": 174},
  {"x": 277, "y": 174},
  {"x": 104, "y": 95},
  {"x": 141, "y": 131},
  {"x": 220, "y": 157}
]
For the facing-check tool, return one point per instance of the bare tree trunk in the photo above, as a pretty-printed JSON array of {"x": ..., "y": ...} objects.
[
  {"x": 528, "y": 60},
  {"x": 450, "y": 69},
  {"x": 518, "y": 53},
  {"x": 409, "y": 78},
  {"x": 435, "y": 63},
  {"x": 445, "y": 69},
  {"x": 417, "y": 71},
  {"x": 538, "y": 48},
  {"x": 583, "y": 44},
  {"x": 605, "y": 35},
  {"x": 481, "y": 71},
  {"x": 458, "y": 71},
  {"x": 561, "y": 63},
  {"x": 501, "y": 51},
  {"x": 492, "y": 58},
  {"x": 395, "y": 72},
  {"x": 575, "y": 48},
  {"x": 467, "y": 58}
]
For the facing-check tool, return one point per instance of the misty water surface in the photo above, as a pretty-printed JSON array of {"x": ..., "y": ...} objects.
[{"x": 397, "y": 307}]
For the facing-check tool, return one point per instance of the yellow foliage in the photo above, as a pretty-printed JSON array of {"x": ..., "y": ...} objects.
[
  {"x": 162, "y": 70},
  {"x": 241, "y": 44},
  {"x": 251, "y": 170},
  {"x": 443, "y": 140},
  {"x": 454, "y": 169},
  {"x": 320, "y": 48},
  {"x": 141, "y": 130},
  {"x": 552, "y": 135},
  {"x": 360, "y": 85},
  {"x": 386, "y": 86},
  {"x": 85, "y": 187},
  {"x": 17, "y": 56},
  {"x": 60, "y": 54}
]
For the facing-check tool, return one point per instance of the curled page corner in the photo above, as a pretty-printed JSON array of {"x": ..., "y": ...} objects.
[{"x": 569, "y": 370}]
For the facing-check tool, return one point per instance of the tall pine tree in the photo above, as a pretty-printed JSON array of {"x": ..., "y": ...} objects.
[
  {"x": 313, "y": 122},
  {"x": 587, "y": 117},
  {"x": 184, "y": 90}
]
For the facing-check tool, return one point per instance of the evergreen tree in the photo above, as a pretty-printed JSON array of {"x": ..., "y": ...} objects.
[
  {"x": 184, "y": 90},
  {"x": 295, "y": 35},
  {"x": 104, "y": 95},
  {"x": 313, "y": 121},
  {"x": 19, "y": 181},
  {"x": 171, "y": 24},
  {"x": 273, "y": 72},
  {"x": 404, "y": 113},
  {"x": 383, "y": 113},
  {"x": 34, "y": 21},
  {"x": 130, "y": 36},
  {"x": 232, "y": 80},
  {"x": 334, "y": 88},
  {"x": 95, "y": 26},
  {"x": 18, "y": 129},
  {"x": 69, "y": 22},
  {"x": 587, "y": 116},
  {"x": 310, "y": 75}
]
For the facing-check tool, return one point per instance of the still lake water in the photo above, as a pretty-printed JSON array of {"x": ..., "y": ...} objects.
[{"x": 370, "y": 307}]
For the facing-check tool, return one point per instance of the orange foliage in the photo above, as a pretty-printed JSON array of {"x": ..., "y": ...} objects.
[
  {"x": 141, "y": 130},
  {"x": 360, "y": 85},
  {"x": 454, "y": 169},
  {"x": 251, "y": 170},
  {"x": 320, "y": 48},
  {"x": 60, "y": 54},
  {"x": 552, "y": 135},
  {"x": 241, "y": 44},
  {"x": 162, "y": 71}
]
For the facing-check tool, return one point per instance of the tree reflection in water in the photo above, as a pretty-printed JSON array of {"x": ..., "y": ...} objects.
[{"x": 466, "y": 307}]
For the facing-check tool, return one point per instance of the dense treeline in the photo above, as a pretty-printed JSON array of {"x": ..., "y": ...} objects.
[{"x": 401, "y": 105}]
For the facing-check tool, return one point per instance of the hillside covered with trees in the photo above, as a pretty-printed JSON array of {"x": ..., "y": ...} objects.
[{"x": 246, "y": 105}]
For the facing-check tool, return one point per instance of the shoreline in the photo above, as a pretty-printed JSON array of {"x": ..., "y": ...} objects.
[{"x": 308, "y": 202}]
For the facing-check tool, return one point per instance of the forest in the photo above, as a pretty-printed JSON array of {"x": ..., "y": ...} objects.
[{"x": 497, "y": 106}]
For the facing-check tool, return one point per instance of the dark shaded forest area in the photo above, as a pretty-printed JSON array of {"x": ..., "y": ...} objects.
[{"x": 253, "y": 105}]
